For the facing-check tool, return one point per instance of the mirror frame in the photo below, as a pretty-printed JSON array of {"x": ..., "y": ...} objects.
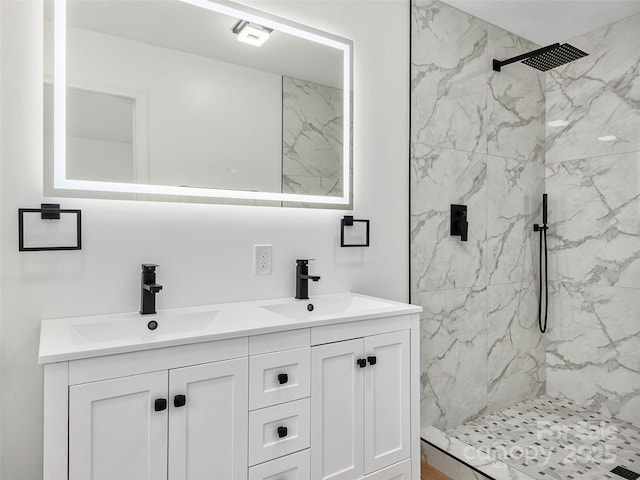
[{"x": 61, "y": 183}]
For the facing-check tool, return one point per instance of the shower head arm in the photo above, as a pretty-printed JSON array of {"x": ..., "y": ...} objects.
[{"x": 498, "y": 64}]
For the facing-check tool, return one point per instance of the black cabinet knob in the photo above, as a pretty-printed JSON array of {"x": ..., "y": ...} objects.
[
  {"x": 283, "y": 378},
  {"x": 361, "y": 362},
  {"x": 160, "y": 404},
  {"x": 282, "y": 432},
  {"x": 372, "y": 360},
  {"x": 179, "y": 401}
]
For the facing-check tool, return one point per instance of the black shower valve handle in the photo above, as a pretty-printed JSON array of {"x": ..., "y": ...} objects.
[{"x": 459, "y": 224}]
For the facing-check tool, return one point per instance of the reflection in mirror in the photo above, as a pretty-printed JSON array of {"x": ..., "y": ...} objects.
[
  {"x": 100, "y": 131},
  {"x": 198, "y": 99}
]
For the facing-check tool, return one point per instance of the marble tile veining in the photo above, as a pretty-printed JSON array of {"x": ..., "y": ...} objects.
[
  {"x": 453, "y": 336},
  {"x": 477, "y": 139},
  {"x": 598, "y": 95},
  {"x": 594, "y": 234},
  {"x": 516, "y": 348},
  {"x": 309, "y": 185},
  {"x": 448, "y": 77},
  {"x": 441, "y": 177},
  {"x": 312, "y": 122},
  {"x": 516, "y": 101},
  {"x": 514, "y": 197},
  {"x": 593, "y": 347}
]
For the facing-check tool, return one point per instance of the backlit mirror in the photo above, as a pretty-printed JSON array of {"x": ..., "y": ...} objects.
[{"x": 195, "y": 99}]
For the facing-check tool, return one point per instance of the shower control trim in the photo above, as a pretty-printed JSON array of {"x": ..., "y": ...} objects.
[{"x": 459, "y": 223}]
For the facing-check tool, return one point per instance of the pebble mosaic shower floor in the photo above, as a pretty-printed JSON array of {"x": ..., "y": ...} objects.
[{"x": 551, "y": 438}]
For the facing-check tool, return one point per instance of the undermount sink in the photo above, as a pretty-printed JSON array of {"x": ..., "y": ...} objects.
[
  {"x": 138, "y": 327},
  {"x": 319, "y": 306}
]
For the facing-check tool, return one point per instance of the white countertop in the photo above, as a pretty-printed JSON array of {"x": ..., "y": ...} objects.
[{"x": 75, "y": 338}]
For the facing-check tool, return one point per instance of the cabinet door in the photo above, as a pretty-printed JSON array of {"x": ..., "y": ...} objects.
[
  {"x": 387, "y": 413},
  {"x": 208, "y": 434},
  {"x": 114, "y": 430},
  {"x": 399, "y": 471},
  {"x": 336, "y": 411}
]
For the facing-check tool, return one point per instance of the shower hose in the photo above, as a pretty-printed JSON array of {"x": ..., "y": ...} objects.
[{"x": 543, "y": 324}]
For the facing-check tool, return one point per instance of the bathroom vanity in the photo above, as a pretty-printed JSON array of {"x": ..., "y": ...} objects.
[{"x": 326, "y": 388}]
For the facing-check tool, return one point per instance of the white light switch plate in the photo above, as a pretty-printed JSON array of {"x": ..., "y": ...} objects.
[{"x": 262, "y": 259}]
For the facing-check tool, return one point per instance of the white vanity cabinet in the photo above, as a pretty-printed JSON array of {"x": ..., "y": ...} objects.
[
  {"x": 334, "y": 399},
  {"x": 114, "y": 431},
  {"x": 360, "y": 405},
  {"x": 208, "y": 433},
  {"x": 190, "y": 422}
]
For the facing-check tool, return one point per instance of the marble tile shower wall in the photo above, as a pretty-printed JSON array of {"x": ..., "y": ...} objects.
[
  {"x": 477, "y": 139},
  {"x": 593, "y": 351}
]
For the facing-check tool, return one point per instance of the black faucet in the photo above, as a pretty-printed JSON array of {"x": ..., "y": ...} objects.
[
  {"x": 302, "y": 279},
  {"x": 149, "y": 289}
]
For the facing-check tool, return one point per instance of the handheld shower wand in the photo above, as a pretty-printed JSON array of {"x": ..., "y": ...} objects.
[{"x": 542, "y": 324}]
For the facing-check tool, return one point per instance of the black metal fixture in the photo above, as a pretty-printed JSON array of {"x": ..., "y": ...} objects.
[
  {"x": 544, "y": 58},
  {"x": 179, "y": 401},
  {"x": 48, "y": 211},
  {"x": 625, "y": 473},
  {"x": 459, "y": 224},
  {"x": 160, "y": 404},
  {"x": 302, "y": 279},
  {"x": 282, "y": 432},
  {"x": 361, "y": 362},
  {"x": 348, "y": 221},
  {"x": 283, "y": 378},
  {"x": 542, "y": 321},
  {"x": 149, "y": 289},
  {"x": 372, "y": 360}
]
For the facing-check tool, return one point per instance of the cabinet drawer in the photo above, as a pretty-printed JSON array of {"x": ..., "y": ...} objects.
[
  {"x": 278, "y": 431},
  {"x": 278, "y": 377},
  {"x": 291, "y": 467}
]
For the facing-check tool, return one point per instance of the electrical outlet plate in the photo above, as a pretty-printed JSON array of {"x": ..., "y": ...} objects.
[{"x": 262, "y": 259}]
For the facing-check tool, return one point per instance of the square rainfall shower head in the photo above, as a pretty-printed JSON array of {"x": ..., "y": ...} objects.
[{"x": 555, "y": 57}]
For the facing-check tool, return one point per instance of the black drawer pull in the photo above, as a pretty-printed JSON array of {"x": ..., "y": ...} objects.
[
  {"x": 160, "y": 404},
  {"x": 282, "y": 432},
  {"x": 372, "y": 360},
  {"x": 361, "y": 362},
  {"x": 283, "y": 378},
  {"x": 179, "y": 401}
]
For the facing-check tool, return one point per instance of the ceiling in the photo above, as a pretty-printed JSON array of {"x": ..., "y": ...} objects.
[{"x": 548, "y": 21}]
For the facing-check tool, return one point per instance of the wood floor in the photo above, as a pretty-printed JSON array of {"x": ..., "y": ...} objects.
[{"x": 430, "y": 473}]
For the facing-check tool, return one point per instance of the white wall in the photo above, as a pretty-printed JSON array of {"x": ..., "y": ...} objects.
[{"x": 205, "y": 251}]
